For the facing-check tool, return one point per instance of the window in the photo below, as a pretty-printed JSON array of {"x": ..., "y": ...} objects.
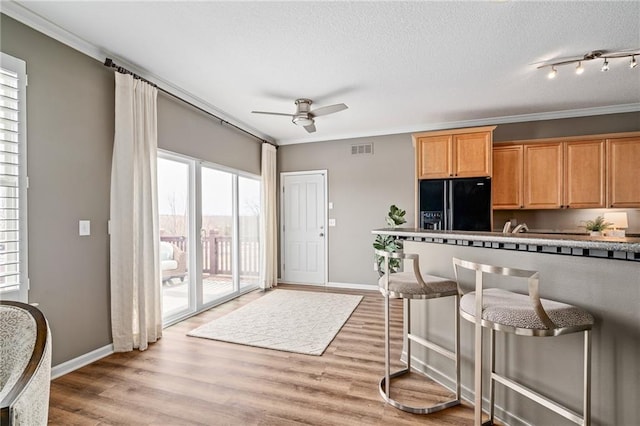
[
  {"x": 13, "y": 178},
  {"x": 209, "y": 240}
]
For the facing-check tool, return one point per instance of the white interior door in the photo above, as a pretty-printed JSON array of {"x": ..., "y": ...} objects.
[{"x": 303, "y": 218}]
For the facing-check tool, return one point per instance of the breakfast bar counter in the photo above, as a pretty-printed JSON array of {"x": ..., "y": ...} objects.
[
  {"x": 568, "y": 244},
  {"x": 598, "y": 274}
]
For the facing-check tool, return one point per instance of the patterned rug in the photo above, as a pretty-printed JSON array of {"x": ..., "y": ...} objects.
[{"x": 285, "y": 320}]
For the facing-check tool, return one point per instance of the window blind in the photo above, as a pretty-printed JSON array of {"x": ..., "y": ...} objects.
[{"x": 12, "y": 192}]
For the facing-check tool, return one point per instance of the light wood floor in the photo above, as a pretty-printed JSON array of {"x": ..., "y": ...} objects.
[{"x": 191, "y": 381}]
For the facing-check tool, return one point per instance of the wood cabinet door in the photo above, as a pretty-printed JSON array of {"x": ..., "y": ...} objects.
[
  {"x": 472, "y": 154},
  {"x": 624, "y": 172},
  {"x": 434, "y": 157},
  {"x": 584, "y": 179},
  {"x": 543, "y": 176},
  {"x": 507, "y": 177}
]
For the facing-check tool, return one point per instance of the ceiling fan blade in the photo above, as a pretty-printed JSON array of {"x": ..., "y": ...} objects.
[
  {"x": 310, "y": 128},
  {"x": 328, "y": 110},
  {"x": 272, "y": 113}
]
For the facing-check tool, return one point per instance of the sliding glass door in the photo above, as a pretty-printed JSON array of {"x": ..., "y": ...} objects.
[
  {"x": 209, "y": 221},
  {"x": 175, "y": 217},
  {"x": 248, "y": 232},
  {"x": 217, "y": 234}
]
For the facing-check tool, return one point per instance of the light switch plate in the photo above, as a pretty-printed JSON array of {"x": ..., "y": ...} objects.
[
  {"x": 84, "y": 228},
  {"x": 332, "y": 222},
  {"x": 330, "y": 205}
]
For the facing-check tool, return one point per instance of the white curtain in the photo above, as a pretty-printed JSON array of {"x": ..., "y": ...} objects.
[
  {"x": 268, "y": 219},
  {"x": 136, "y": 313}
]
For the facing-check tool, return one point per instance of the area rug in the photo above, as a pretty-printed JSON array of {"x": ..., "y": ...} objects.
[{"x": 294, "y": 321}]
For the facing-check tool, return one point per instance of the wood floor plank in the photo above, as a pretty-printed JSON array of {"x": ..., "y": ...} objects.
[{"x": 184, "y": 380}]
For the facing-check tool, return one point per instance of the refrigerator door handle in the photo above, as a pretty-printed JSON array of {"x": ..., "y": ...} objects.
[{"x": 450, "y": 206}]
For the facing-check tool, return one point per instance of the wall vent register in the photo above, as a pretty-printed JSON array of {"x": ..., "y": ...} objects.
[{"x": 366, "y": 148}]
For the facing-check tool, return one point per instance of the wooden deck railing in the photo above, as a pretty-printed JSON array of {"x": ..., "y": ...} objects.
[{"x": 217, "y": 254}]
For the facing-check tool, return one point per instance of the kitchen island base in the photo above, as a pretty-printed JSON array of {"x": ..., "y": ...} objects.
[{"x": 608, "y": 288}]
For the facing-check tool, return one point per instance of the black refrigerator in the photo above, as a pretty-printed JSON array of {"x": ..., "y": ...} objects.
[{"x": 456, "y": 204}]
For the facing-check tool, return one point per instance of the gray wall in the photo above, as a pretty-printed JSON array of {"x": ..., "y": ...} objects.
[
  {"x": 578, "y": 126},
  {"x": 362, "y": 187},
  {"x": 184, "y": 129},
  {"x": 70, "y": 119}
]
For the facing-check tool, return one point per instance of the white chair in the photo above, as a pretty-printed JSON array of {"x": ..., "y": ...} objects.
[
  {"x": 413, "y": 285},
  {"x": 524, "y": 315},
  {"x": 25, "y": 374}
]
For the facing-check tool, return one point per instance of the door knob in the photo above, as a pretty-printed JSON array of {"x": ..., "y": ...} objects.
[{"x": 322, "y": 234}]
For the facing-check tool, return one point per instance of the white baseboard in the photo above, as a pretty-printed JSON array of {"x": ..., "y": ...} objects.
[
  {"x": 505, "y": 417},
  {"x": 299, "y": 283},
  {"x": 81, "y": 361},
  {"x": 353, "y": 286}
]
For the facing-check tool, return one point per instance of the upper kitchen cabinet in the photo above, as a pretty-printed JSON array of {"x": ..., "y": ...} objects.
[
  {"x": 543, "y": 176},
  {"x": 454, "y": 153},
  {"x": 584, "y": 174},
  {"x": 435, "y": 154},
  {"x": 551, "y": 175},
  {"x": 594, "y": 171},
  {"x": 507, "y": 177},
  {"x": 623, "y": 172}
]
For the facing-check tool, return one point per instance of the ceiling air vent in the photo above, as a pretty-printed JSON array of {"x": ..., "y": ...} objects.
[{"x": 365, "y": 148}]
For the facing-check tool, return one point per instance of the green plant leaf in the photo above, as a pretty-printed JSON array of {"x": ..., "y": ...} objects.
[
  {"x": 390, "y": 243},
  {"x": 597, "y": 224}
]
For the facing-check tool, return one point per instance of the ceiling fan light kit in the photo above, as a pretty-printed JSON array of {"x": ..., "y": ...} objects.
[
  {"x": 304, "y": 116},
  {"x": 606, "y": 55}
]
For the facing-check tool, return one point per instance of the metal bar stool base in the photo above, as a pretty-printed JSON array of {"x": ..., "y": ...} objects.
[{"x": 414, "y": 410}]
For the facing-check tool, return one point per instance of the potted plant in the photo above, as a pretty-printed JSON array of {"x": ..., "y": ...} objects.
[
  {"x": 390, "y": 243},
  {"x": 596, "y": 226}
]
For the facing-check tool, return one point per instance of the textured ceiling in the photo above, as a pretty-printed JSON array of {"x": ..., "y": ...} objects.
[{"x": 399, "y": 66}]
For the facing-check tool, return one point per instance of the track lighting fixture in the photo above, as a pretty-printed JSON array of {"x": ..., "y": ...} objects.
[{"x": 607, "y": 55}]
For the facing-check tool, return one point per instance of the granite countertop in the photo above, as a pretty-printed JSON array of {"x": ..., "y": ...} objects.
[{"x": 627, "y": 244}]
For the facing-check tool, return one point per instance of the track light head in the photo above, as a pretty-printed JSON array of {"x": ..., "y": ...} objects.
[
  {"x": 633, "y": 62},
  {"x": 605, "y": 66},
  {"x": 579, "y": 68},
  {"x": 552, "y": 73}
]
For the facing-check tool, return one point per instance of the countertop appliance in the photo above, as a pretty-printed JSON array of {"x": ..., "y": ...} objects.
[{"x": 455, "y": 204}]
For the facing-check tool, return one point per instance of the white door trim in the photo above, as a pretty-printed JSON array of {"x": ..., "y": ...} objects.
[{"x": 324, "y": 174}]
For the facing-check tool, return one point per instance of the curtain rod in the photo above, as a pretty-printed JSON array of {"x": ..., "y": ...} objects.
[{"x": 109, "y": 63}]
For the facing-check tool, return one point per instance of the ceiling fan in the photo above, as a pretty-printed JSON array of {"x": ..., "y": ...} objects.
[{"x": 304, "y": 116}]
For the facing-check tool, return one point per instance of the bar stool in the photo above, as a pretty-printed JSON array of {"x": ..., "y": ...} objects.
[
  {"x": 524, "y": 315},
  {"x": 407, "y": 286}
]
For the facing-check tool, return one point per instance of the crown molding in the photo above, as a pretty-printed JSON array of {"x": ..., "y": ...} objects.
[
  {"x": 24, "y": 15},
  {"x": 539, "y": 116}
]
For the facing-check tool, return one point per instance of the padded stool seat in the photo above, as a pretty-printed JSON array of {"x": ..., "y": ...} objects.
[
  {"x": 506, "y": 308},
  {"x": 414, "y": 285},
  {"x": 405, "y": 285},
  {"x": 525, "y": 315}
]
